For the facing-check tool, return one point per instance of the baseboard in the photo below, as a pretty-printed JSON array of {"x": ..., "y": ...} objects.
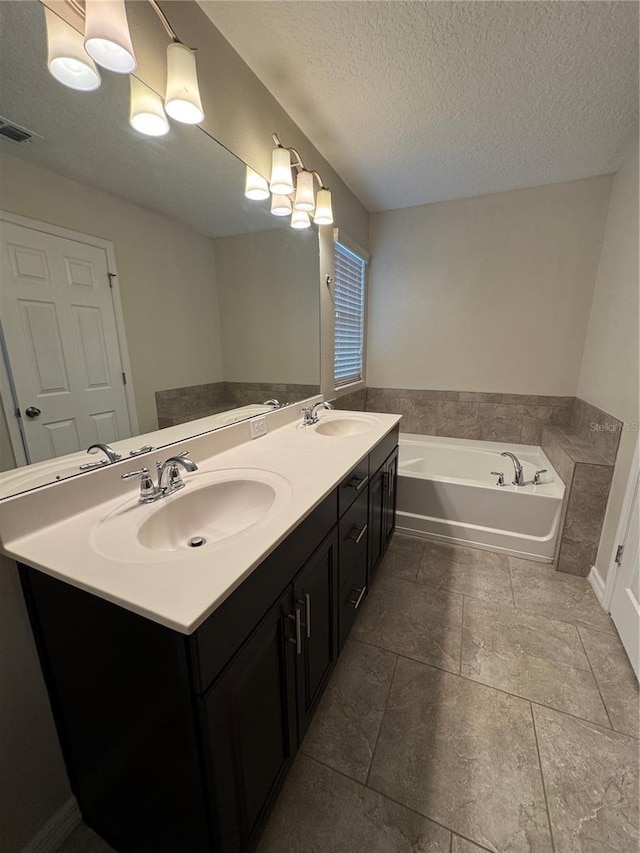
[
  {"x": 56, "y": 829},
  {"x": 597, "y": 583}
]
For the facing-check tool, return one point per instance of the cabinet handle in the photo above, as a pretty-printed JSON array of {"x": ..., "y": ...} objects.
[
  {"x": 307, "y": 605},
  {"x": 360, "y": 531},
  {"x": 298, "y": 637},
  {"x": 356, "y": 603},
  {"x": 357, "y": 484},
  {"x": 389, "y": 484}
]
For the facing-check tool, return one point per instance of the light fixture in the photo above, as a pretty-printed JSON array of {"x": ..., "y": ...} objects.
[
  {"x": 300, "y": 219},
  {"x": 304, "y": 192},
  {"x": 324, "y": 212},
  {"x": 255, "y": 187},
  {"x": 147, "y": 111},
  {"x": 182, "y": 99},
  {"x": 280, "y": 205},
  {"x": 67, "y": 59},
  {"x": 106, "y": 35},
  {"x": 281, "y": 182}
]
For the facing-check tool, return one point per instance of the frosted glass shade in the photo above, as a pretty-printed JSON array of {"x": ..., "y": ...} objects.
[
  {"x": 280, "y": 205},
  {"x": 67, "y": 59},
  {"x": 281, "y": 182},
  {"x": 255, "y": 187},
  {"x": 106, "y": 35},
  {"x": 324, "y": 213},
  {"x": 300, "y": 220},
  {"x": 182, "y": 99},
  {"x": 146, "y": 110},
  {"x": 304, "y": 192}
]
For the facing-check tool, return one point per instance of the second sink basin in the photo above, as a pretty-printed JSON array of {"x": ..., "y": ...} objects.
[{"x": 344, "y": 426}]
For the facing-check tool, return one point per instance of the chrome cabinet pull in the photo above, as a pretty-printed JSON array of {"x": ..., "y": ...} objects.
[
  {"x": 357, "y": 484},
  {"x": 391, "y": 481},
  {"x": 360, "y": 531},
  {"x": 307, "y": 607},
  {"x": 361, "y": 595},
  {"x": 298, "y": 638}
]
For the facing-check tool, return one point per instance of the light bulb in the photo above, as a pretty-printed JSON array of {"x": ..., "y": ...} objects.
[
  {"x": 106, "y": 35},
  {"x": 147, "y": 113},
  {"x": 324, "y": 213},
  {"x": 304, "y": 192},
  {"x": 182, "y": 99},
  {"x": 68, "y": 61},
  {"x": 280, "y": 205},
  {"x": 255, "y": 187},
  {"x": 281, "y": 182},
  {"x": 300, "y": 220}
]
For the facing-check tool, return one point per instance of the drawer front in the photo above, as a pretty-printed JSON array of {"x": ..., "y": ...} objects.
[
  {"x": 353, "y": 485},
  {"x": 354, "y": 535},
  {"x": 352, "y": 595}
]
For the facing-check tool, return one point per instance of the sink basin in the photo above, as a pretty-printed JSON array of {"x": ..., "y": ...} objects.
[
  {"x": 212, "y": 508},
  {"x": 344, "y": 426}
]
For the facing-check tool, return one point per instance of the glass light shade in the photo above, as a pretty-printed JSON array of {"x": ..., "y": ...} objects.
[
  {"x": 67, "y": 60},
  {"x": 304, "y": 192},
  {"x": 182, "y": 99},
  {"x": 106, "y": 35},
  {"x": 324, "y": 213},
  {"x": 300, "y": 220},
  {"x": 281, "y": 182},
  {"x": 280, "y": 205},
  {"x": 147, "y": 112},
  {"x": 255, "y": 187}
]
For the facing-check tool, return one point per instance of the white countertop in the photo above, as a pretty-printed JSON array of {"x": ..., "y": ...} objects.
[{"x": 181, "y": 589}]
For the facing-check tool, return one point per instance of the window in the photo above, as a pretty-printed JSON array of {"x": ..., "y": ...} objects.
[{"x": 350, "y": 271}]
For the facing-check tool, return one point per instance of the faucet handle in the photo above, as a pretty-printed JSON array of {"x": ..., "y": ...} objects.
[
  {"x": 500, "y": 476},
  {"x": 536, "y": 476},
  {"x": 147, "y": 489},
  {"x": 129, "y": 474}
]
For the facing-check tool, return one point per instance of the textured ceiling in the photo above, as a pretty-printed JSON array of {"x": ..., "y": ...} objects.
[{"x": 415, "y": 102}]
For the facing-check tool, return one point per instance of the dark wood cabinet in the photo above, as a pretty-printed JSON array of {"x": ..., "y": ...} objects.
[{"x": 382, "y": 510}]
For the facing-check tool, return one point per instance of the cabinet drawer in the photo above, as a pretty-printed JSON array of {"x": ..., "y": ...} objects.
[
  {"x": 353, "y": 485},
  {"x": 352, "y": 595},
  {"x": 354, "y": 535}
]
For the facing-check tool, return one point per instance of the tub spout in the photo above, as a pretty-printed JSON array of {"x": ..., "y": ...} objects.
[{"x": 518, "y": 480}]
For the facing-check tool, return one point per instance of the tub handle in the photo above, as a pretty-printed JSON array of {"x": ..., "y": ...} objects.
[
  {"x": 536, "y": 476},
  {"x": 500, "y": 476},
  {"x": 357, "y": 484}
]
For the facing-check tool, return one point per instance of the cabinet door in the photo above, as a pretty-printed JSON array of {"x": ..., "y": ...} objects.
[
  {"x": 315, "y": 591},
  {"x": 376, "y": 526},
  {"x": 389, "y": 511},
  {"x": 250, "y": 737}
]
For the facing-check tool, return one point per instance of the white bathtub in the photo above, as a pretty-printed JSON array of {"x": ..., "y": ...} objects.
[{"x": 446, "y": 491}]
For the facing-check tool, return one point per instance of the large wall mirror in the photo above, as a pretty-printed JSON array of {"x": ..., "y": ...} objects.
[{"x": 213, "y": 306}]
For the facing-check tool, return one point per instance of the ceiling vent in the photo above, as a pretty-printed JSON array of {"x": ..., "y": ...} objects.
[{"x": 16, "y": 133}]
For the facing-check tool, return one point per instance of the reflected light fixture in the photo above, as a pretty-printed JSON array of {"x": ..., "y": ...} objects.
[
  {"x": 255, "y": 186},
  {"x": 182, "y": 99},
  {"x": 147, "y": 111},
  {"x": 300, "y": 219},
  {"x": 280, "y": 205},
  {"x": 304, "y": 192},
  {"x": 106, "y": 35},
  {"x": 67, "y": 59}
]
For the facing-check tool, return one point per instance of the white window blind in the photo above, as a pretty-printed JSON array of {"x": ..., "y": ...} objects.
[{"x": 349, "y": 304}]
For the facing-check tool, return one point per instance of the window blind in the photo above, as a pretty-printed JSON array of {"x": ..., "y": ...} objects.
[{"x": 349, "y": 307}]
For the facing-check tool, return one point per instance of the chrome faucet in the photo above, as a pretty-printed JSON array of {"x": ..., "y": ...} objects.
[
  {"x": 169, "y": 479},
  {"x": 519, "y": 473},
  {"x": 109, "y": 452},
  {"x": 310, "y": 414},
  {"x": 273, "y": 403}
]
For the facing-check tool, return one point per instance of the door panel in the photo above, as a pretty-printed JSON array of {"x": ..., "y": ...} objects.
[{"x": 625, "y": 602}]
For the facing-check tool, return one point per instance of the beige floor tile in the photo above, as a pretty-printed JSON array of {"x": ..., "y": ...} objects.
[
  {"x": 530, "y": 656},
  {"x": 616, "y": 679},
  {"x": 556, "y": 595},
  {"x": 461, "y": 845},
  {"x": 412, "y": 620},
  {"x": 403, "y": 556},
  {"x": 344, "y": 731},
  {"x": 468, "y": 571},
  {"x": 321, "y": 811},
  {"x": 464, "y": 755},
  {"x": 591, "y": 780}
]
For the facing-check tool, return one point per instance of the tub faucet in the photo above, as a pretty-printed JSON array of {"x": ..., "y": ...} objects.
[
  {"x": 109, "y": 452},
  {"x": 273, "y": 403},
  {"x": 310, "y": 415},
  {"x": 519, "y": 473}
]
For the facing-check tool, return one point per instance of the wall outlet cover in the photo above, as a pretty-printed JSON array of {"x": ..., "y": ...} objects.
[{"x": 258, "y": 426}]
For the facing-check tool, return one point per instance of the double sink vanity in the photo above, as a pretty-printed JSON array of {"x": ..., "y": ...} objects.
[{"x": 186, "y": 641}]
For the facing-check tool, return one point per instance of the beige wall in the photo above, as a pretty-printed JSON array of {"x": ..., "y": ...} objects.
[
  {"x": 609, "y": 374},
  {"x": 486, "y": 294},
  {"x": 173, "y": 338},
  {"x": 268, "y": 294}
]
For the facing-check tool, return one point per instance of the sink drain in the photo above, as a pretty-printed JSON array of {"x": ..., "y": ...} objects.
[{"x": 196, "y": 541}]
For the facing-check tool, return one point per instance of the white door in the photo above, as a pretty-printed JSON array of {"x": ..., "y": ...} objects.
[
  {"x": 625, "y": 602},
  {"x": 60, "y": 336}
]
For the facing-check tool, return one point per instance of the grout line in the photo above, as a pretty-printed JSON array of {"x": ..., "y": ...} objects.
[
  {"x": 384, "y": 711},
  {"x": 593, "y": 675},
  {"x": 513, "y": 595},
  {"x": 544, "y": 787},
  {"x": 461, "y": 636}
]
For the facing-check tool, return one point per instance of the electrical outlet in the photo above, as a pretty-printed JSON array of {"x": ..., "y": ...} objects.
[{"x": 258, "y": 426}]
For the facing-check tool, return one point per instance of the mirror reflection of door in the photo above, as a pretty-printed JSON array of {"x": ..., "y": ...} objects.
[{"x": 61, "y": 338}]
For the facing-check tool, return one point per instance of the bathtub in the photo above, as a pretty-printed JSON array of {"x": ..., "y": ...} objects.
[{"x": 446, "y": 492}]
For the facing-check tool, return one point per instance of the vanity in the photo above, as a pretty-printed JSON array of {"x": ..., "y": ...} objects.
[{"x": 183, "y": 685}]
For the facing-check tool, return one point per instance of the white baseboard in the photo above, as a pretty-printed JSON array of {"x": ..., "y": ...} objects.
[
  {"x": 597, "y": 583},
  {"x": 56, "y": 829}
]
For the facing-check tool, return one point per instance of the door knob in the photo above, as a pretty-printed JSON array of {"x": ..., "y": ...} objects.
[{"x": 32, "y": 412}]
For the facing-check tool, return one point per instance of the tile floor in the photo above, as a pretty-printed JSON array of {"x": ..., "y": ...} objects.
[{"x": 481, "y": 703}]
